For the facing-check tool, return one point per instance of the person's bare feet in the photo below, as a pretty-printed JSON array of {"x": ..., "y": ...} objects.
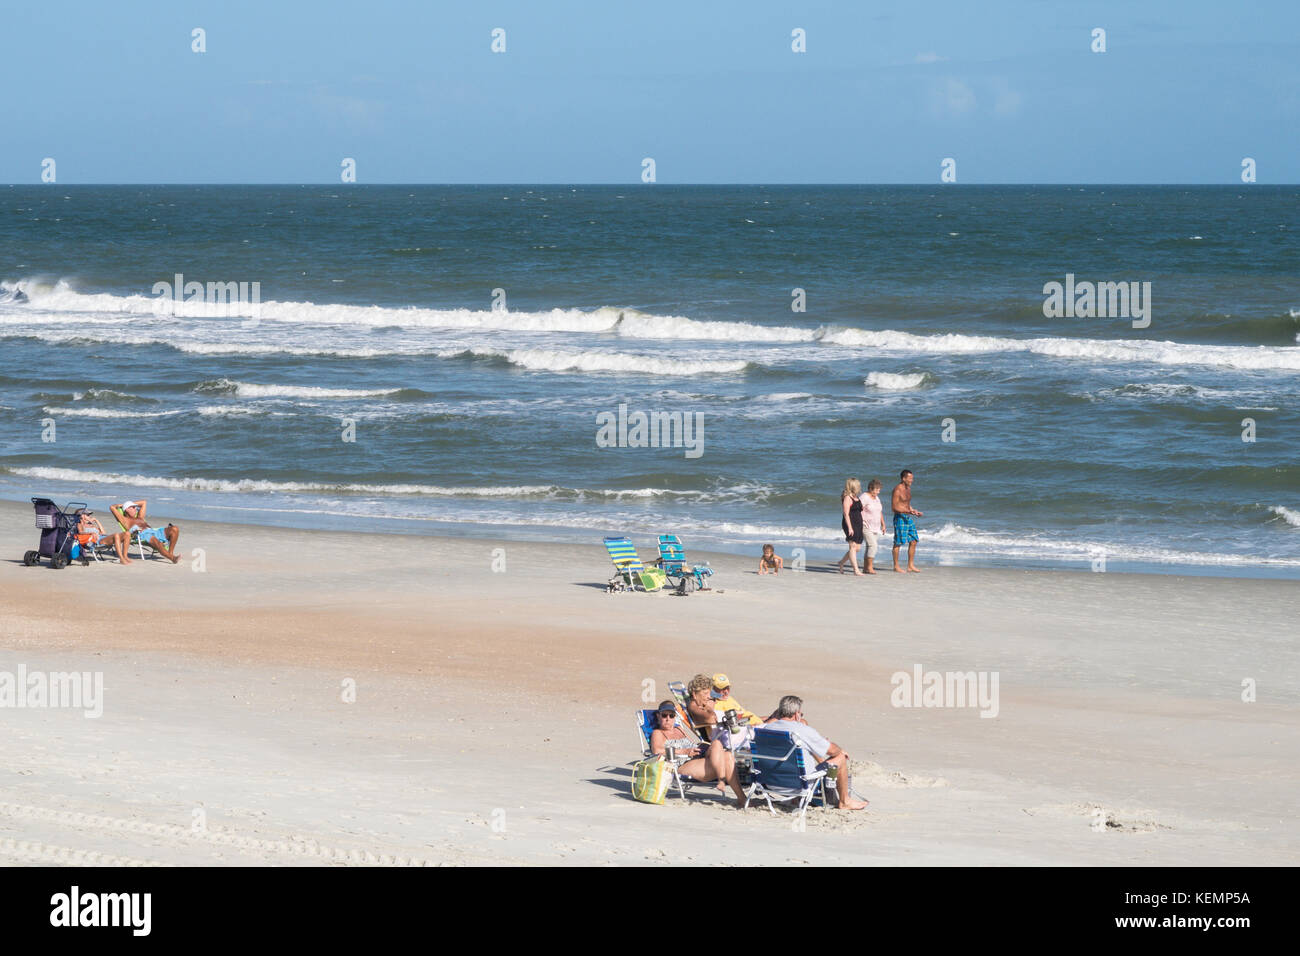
[
  {"x": 914, "y": 569},
  {"x": 869, "y": 572},
  {"x": 125, "y": 561},
  {"x": 854, "y": 805},
  {"x": 899, "y": 570}
]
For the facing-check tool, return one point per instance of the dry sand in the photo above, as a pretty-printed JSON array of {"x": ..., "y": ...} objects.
[{"x": 493, "y": 712}]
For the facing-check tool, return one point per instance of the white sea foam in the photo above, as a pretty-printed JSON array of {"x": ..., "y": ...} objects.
[
  {"x": 551, "y": 360},
  {"x": 105, "y": 413},
  {"x": 253, "y": 485},
  {"x": 237, "y": 411},
  {"x": 250, "y": 390},
  {"x": 1112, "y": 350},
  {"x": 47, "y": 301},
  {"x": 1288, "y": 515},
  {"x": 891, "y": 381},
  {"x": 967, "y": 540}
]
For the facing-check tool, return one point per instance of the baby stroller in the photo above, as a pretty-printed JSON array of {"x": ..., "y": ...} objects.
[{"x": 58, "y": 528}]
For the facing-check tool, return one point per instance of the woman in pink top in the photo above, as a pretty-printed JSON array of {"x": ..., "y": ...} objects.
[{"x": 873, "y": 521}]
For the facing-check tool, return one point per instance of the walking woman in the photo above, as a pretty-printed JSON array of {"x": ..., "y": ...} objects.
[{"x": 851, "y": 521}]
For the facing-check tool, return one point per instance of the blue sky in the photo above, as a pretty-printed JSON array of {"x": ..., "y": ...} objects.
[{"x": 710, "y": 90}]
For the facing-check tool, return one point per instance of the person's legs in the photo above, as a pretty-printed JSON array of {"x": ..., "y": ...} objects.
[
  {"x": 842, "y": 784},
  {"x": 733, "y": 779},
  {"x": 122, "y": 544},
  {"x": 911, "y": 558},
  {"x": 716, "y": 758},
  {"x": 171, "y": 535},
  {"x": 853, "y": 558},
  {"x": 896, "y": 567},
  {"x": 697, "y": 768},
  {"x": 840, "y": 563}
]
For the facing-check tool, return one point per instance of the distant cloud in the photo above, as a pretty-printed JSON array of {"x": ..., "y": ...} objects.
[
  {"x": 951, "y": 96},
  {"x": 930, "y": 57}
]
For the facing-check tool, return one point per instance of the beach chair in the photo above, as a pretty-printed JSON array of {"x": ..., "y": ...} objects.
[
  {"x": 744, "y": 762},
  {"x": 133, "y": 539},
  {"x": 84, "y": 549},
  {"x": 629, "y": 573},
  {"x": 779, "y": 772},
  {"x": 672, "y": 559},
  {"x": 645, "y": 726}
]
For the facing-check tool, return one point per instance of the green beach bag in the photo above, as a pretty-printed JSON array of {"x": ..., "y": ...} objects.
[{"x": 650, "y": 780}]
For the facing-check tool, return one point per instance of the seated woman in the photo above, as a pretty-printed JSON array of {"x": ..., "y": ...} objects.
[
  {"x": 90, "y": 533},
  {"x": 715, "y": 763}
]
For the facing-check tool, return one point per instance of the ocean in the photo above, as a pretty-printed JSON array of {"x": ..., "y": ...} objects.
[{"x": 442, "y": 359}]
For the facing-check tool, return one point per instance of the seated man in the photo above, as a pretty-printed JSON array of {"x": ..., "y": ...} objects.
[
  {"x": 90, "y": 533},
  {"x": 789, "y": 717},
  {"x": 130, "y": 515},
  {"x": 720, "y": 692},
  {"x": 711, "y": 764}
]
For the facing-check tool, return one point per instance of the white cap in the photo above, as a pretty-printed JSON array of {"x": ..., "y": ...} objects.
[{"x": 128, "y": 504}]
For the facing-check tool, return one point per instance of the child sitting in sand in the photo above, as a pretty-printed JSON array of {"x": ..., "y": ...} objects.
[{"x": 770, "y": 561}]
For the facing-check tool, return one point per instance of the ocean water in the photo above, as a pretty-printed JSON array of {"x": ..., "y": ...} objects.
[{"x": 1073, "y": 439}]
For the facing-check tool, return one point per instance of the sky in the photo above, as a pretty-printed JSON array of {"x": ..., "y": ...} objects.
[{"x": 711, "y": 90}]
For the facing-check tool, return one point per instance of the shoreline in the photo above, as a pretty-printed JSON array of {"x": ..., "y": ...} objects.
[{"x": 573, "y": 536}]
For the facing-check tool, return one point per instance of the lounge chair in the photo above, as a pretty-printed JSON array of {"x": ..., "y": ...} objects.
[
  {"x": 138, "y": 536},
  {"x": 672, "y": 559},
  {"x": 744, "y": 763},
  {"x": 645, "y": 726},
  {"x": 630, "y": 574},
  {"x": 779, "y": 772}
]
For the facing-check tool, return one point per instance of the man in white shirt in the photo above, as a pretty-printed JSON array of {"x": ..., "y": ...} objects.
[{"x": 824, "y": 753}]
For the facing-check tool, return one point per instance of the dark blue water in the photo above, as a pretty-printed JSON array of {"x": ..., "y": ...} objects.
[{"x": 1075, "y": 438}]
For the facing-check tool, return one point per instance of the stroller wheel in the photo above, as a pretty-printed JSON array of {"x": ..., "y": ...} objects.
[
  {"x": 59, "y": 560},
  {"x": 31, "y": 558}
]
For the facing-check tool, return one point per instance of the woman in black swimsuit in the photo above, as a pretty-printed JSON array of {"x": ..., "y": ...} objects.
[{"x": 851, "y": 522}]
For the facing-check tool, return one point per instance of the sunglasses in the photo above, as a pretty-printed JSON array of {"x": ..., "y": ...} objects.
[{"x": 665, "y": 715}]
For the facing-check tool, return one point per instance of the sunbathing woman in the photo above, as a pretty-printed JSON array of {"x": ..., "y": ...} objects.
[
  {"x": 90, "y": 532},
  {"x": 698, "y": 766}
]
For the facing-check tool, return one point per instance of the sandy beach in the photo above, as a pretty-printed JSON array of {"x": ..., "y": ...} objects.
[{"x": 493, "y": 713}]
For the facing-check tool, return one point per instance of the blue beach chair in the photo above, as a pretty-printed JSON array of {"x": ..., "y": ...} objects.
[
  {"x": 629, "y": 573},
  {"x": 780, "y": 773},
  {"x": 672, "y": 559},
  {"x": 645, "y": 726}
]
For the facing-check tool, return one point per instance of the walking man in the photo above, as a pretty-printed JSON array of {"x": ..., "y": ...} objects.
[{"x": 904, "y": 526}]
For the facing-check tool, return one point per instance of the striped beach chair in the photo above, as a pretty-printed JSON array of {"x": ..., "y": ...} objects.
[
  {"x": 629, "y": 573},
  {"x": 672, "y": 559}
]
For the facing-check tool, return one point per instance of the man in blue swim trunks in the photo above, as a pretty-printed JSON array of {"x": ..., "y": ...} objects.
[
  {"x": 904, "y": 526},
  {"x": 130, "y": 515}
]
